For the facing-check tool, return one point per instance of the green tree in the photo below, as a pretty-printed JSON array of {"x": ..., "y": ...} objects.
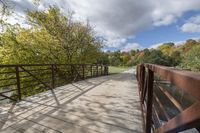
[
  {"x": 192, "y": 59},
  {"x": 166, "y": 48},
  {"x": 53, "y": 38},
  {"x": 103, "y": 59},
  {"x": 176, "y": 58},
  {"x": 133, "y": 52},
  {"x": 76, "y": 39}
]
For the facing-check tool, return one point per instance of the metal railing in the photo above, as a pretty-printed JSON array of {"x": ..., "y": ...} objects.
[
  {"x": 18, "y": 81},
  {"x": 170, "y": 98}
]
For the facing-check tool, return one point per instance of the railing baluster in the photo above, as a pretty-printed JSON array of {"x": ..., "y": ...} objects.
[
  {"x": 52, "y": 76},
  {"x": 91, "y": 69},
  {"x": 101, "y": 70},
  {"x": 106, "y": 70},
  {"x": 149, "y": 101},
  {"x": 144, "y": 83},
  {"x": 83, "y": 67},
  {"x": 142, "y": 76},
  {"x": 18, "y": 82},
  {"x": 97, "y": 70},
  {"x": 72, "y": 72}
]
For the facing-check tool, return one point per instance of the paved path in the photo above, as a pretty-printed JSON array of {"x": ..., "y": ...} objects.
[{"x": 108, "y": 104}]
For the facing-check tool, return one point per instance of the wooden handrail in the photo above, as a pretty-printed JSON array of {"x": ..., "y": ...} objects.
[{"x": 186, "y": 81}]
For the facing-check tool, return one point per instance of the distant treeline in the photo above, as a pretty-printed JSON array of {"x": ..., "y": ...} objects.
[{"x": 186, "y": 55}]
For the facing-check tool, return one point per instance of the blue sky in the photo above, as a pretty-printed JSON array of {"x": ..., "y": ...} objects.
[
  {"x": 128, "y": 24},
  {"x": 168, "y": 33}
]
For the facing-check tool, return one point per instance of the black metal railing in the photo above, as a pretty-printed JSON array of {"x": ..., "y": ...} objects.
[{"x": 19, "y": 81}]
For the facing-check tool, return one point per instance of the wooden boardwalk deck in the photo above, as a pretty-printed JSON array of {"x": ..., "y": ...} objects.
[{"x": 108, "y": 104}]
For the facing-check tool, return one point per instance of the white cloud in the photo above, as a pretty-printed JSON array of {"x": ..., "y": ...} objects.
[
  {"x": 195, "y": 19},
  {"x": 116, "y": 42},
  {"x": 179, "y": 42},
  {"x": 192, "y": 25},
  {"x": 116, "y": 20},
  {"x": 130, "y": 46},
  {"x": 167, "y": 12},
  {"x": 154, "y": 46},
  {"x": 165, "y": 21}
]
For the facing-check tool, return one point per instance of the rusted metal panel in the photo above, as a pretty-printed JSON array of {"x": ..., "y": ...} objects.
[
  {"x": 188, "y": 81},
  {"x": 189, "y": 118},
  {"x": 171, "y": 98},
  {"x": 161, "y": 107},
  {"x": 156, "y": 114},
  {"x": 184, "y": 80}
]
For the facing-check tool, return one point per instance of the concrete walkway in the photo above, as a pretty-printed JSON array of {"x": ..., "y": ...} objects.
[{"x": 108, "y": 104}]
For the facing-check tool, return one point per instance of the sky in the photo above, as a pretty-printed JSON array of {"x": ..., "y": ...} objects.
[{"x": 127, "y": 24}]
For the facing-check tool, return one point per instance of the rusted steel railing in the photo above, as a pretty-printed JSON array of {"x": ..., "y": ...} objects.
[
  {"x": 170, "y": 98},
  {"x": 18, "y": 81}
]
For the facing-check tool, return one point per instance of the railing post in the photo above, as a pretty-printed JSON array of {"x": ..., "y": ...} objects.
[
  {"x": 97, "y": 70},
  {"x": 18, "y": 82},
  {"x": 91, "y": 71},
  {"x": 143, "y": 83},
  {"x": 149, "y": 101},
  {"x": 52, "y": 77},
  {"x": 104, "y": 67},
  {"x": 72, "y": 72},
  {"x": 101, "y": 70},
  {"x": 137, "y": 73},
  {"x": 83, "y": 67},
  {"x": 143, "y": 76},
  {"x": 106, "y": 70}
]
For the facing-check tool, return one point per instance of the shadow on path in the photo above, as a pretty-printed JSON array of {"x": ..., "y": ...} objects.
[{"x": 98, "y": 105}]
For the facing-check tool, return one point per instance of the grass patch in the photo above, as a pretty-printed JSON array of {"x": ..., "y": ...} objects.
[{"x": 115, "y": 70}]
